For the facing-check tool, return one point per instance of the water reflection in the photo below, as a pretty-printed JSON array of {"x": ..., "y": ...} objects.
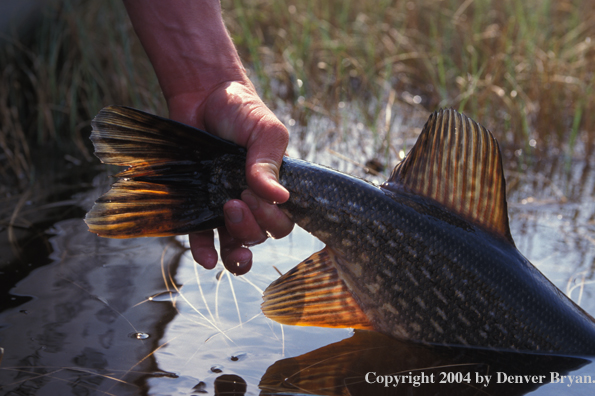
[
  {"x": 73, "y": 337},
  {"x": 370, "y": 363},
  {"x": 132, "y": 317},
  {"x": 232, "y": 385}
]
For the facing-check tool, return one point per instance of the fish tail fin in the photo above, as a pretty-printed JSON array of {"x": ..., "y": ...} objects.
[{"x": 165, "y": 189}]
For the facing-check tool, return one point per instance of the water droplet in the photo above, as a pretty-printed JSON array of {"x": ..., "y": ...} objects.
[
  {"x": 217, "y": 369},
  {"x": 238, "y": 356},
  {"x": 201, "y": 387},
  {"x": 139, "y": 336},
  {"x": 163, "y": 296}
]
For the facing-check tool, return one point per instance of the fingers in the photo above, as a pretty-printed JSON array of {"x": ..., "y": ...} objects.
[
  {"x": 269, "y": 217},
  {"x": 245, "y": 222},
  {"x": 266, "y": 148},
  {"x": 241, "y": 224},
  {"x": 236, "y": 258},
  {"x": 203, "y": 249}
]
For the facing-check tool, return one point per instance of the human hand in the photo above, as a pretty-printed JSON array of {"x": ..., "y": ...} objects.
[
  {"x": 206, "y": 86},
  {"x": 234, "y": 112}
]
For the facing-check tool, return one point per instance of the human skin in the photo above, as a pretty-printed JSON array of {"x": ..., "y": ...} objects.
[{"x": 206, "y": 86}]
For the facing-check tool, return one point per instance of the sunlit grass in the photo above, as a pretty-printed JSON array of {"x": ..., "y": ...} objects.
[{"x": 524, "y": 69}]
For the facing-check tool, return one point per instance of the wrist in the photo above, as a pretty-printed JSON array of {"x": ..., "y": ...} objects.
[{"x": 194, "y": 107}]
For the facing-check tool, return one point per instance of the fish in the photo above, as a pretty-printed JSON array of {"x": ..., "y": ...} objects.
[{"x": 426, "y": 257}]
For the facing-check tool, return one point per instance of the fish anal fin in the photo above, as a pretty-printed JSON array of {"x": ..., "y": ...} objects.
[
  {"x": 457, "y": 163},
  {"x": 313, "y": 294}
]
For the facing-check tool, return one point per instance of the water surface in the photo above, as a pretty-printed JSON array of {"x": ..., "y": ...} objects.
[{"x": 128, "y": 317}]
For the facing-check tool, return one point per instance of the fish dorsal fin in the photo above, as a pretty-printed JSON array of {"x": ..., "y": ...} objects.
[
  {"x": 457, "y": 163},
  {"x": 313, "y": 294}
]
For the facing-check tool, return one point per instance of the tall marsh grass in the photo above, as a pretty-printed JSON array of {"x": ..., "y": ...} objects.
[
  {"x": 83, "y": 56},
  {"x": 523, "y": 68}
]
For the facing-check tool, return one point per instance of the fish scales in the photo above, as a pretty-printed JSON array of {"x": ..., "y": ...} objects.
[
  {"x": 418, "y": 265},
  {"x": 505, "y": 287}
]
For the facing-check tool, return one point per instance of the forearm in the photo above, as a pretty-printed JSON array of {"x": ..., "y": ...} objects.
[{"x": 187, "y": 44}]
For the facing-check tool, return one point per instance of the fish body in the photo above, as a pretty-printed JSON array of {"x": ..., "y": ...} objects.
[
  {"x": 426, "y": 257},
  {"x": 422, "y": 273}
]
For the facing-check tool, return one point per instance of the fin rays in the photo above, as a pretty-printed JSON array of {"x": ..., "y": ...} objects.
[
  {"x": 164, "y": 190},
  {"x": 313, "y": 294},
  {"x": 457, "y": 163}
]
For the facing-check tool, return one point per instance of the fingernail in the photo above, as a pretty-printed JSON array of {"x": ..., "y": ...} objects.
[
  {"x": 254, "y": 243},
  {"x": 250, "y": 200},
  {"x": 234, "y": 215}
]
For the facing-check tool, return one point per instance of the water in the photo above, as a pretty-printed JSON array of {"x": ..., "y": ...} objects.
[{"x": 128, "y": 317}]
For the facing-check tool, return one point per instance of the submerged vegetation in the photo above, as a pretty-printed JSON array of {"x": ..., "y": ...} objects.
[{"x": 524, "y": 69}]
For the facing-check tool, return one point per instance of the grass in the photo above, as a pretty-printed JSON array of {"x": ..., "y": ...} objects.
[
  {"x": 83, "y": 56},
  {"x": 525, "y": 69}
]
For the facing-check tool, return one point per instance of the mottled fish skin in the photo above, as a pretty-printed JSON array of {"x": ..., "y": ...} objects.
[{"x": 422, "y": 273}]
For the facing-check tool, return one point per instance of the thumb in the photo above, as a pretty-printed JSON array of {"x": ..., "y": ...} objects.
[{"x": 266, "y": 147}]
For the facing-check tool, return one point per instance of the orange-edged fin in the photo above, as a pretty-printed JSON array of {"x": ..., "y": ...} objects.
[
  {"x": 141, "y": 209},
  {"x": 313, "y": 294},
  {"x": 457, "y": 163},
  {"x": 165, "y": 190}
]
